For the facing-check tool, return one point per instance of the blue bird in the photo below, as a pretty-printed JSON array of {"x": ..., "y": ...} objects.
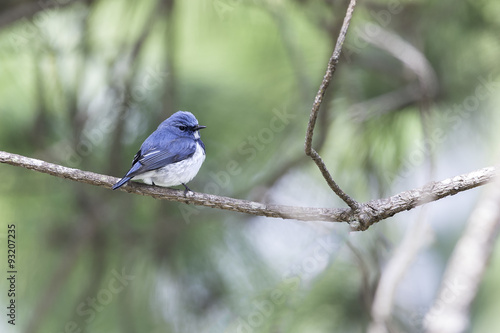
[{"x": 172, "y": 155}]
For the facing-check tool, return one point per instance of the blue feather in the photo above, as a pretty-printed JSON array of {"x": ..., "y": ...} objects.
[{"x": 172, "y": 142}]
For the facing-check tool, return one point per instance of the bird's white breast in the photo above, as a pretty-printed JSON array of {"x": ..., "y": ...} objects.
[{"x": 176, "y": 173}]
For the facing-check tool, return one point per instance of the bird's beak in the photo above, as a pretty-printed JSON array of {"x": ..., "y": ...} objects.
[{"x": 199, "y": 127}]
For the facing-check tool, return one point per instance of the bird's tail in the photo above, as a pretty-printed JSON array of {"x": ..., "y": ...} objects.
[{"x": 121, "y": 182}]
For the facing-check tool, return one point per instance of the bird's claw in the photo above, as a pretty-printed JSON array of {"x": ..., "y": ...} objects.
[{"x": 187, "y": 190}]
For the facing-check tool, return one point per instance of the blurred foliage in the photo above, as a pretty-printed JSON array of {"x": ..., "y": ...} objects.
[{"x": 82, "y": 84}]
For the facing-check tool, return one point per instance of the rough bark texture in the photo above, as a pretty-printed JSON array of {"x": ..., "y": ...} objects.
[
  {"x": 359, "y": 219},
  {"x": 330, "y": 70},
  {"x": 466, "y": 267}
]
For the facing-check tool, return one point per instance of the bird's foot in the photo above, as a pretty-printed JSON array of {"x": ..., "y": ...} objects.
[{"x": 186, "y": 190}]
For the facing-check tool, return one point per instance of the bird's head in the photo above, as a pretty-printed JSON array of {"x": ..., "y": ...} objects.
[{"x": 182, "y": 123}]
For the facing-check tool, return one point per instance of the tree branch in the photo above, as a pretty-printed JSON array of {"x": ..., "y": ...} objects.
[
  {"x": 466, "y": 267},
  {"x": 332, "y": 65},
  {"x": 359, "y": 219}
]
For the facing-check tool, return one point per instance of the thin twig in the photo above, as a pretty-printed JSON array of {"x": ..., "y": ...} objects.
[
  {"x": 368, "y": 213},
  {"x": 332, "y": 65},
  {"x": 324, "y": 123}
]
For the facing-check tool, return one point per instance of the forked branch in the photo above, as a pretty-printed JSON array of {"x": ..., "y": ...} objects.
[
  {"x": 330, "y": 70},
  {"x": 360, "y": 216},
  {"x": 359, "y": 219}
]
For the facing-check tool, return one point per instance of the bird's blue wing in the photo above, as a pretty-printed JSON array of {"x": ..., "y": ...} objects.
[
  {"x": 161, "y": 148},
  {"x": 156, "y": 157}
]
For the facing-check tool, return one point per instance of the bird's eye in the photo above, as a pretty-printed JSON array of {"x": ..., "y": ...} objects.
[{"x": 182, "y": 128}]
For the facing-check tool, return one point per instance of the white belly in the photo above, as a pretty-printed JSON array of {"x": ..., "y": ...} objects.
[{"x": 176, "y": 173}]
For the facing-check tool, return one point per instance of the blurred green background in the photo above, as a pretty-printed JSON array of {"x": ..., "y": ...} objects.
[{"x": 83, "y": 83}]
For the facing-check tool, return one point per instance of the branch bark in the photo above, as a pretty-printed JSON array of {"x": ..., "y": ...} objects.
[
  {"x": 359, "y": 219},
  {"x": 330, "y": 70},
  {"x": 466, "y": 267}
]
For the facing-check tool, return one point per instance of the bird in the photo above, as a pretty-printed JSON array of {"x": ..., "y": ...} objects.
[{"x": 172, "y": 155}]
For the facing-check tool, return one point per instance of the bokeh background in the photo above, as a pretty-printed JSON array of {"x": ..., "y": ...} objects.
[{"x": 84, "y": 82}]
